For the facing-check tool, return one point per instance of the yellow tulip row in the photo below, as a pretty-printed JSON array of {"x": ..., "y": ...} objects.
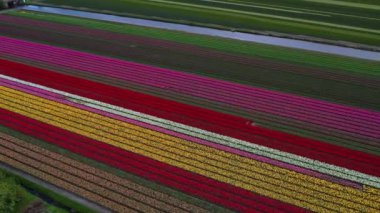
[
  {"x": 275, "y": 182},
  {"x": 222, "y": 159}
]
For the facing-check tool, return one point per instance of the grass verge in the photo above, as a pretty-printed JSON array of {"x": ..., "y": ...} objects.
[{"x": 200, "y": 14}]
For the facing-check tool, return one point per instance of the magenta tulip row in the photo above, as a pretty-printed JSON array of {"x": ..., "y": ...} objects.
[{"x": 365, "y": 124}]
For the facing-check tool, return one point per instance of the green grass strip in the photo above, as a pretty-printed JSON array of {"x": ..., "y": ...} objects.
[
  {"x": 200, "y": 15},
  {"x": 61, "y": 200},
  {"x": 252, "y": 14},
  {"x": 26, "y": 199},
  {"x": 306, "y": 58},
  {"x": 348, "y": 4},
  {"x": 174, "y": 193}
]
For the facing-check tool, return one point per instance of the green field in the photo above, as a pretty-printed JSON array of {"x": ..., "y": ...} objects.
[
  {"x": 353, "y": 22},
  {"x": 287, "y": 55}
]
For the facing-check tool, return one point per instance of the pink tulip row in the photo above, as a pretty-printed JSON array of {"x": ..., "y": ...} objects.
[
  {"x": 124, "y": 38},
  {"x": 344, "y": 120}
]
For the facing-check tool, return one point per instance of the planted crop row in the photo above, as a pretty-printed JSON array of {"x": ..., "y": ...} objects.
[
  {"x": 121, "y": 72},
  {"x": 156, "y": 125},
  {"x": 131, "y": 178},
  {"x": 365, "y": 132},
  {"x": 118, "y": 67},
  {"x": 58, "y": 178},
  {"x": 159, "y": 125},
  {"x": 193, "y": 50},
  {"x": 217, "y": 141},
  {"x": 187, "y": 176},
  {"x": 224, "y": 159},
  {"x": 232, "y": 20},
  {"x": 139, "y": 102},
  {"x": 315, "y": 10},
  {"x": 148, "y": 135},
  {"x": 230, "y": 172},
  {"x": 345, "y": 110},
  {"x": 334, "y": 91},
  {"x": 177, "y": 142},
  {"x": 299, "y": 128},
  {"x": 227, "y": 45},
  {"x": 317, "y": 168},
  {"x": 113, "y": 184},
  {"x": 189, "y": 183}
]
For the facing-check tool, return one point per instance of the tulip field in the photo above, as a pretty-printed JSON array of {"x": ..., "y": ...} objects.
[{"x": 126, "y": 128}]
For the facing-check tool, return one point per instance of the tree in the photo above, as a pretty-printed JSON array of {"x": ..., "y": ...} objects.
[{"x": 9, "y": 193}]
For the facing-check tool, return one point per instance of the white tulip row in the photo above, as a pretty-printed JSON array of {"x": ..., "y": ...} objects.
[{"x": 300, "y": 161}]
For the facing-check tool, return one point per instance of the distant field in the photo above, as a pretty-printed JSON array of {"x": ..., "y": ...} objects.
[
  {"x": 301, "y": 57},
  {"x": 355, "y": 22}
]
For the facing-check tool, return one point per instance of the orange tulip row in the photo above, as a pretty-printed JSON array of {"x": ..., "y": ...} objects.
[{"x": 98, "y": 186}]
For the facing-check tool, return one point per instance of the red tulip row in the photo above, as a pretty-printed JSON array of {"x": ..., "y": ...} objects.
[
  {"x": 197, "y": 117},
  {"x": 339, "y": 136},
  {"x": 190, "y": 183},
  {"x": 190, "y": 49},
  {"x": 325, "y": 118}
]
